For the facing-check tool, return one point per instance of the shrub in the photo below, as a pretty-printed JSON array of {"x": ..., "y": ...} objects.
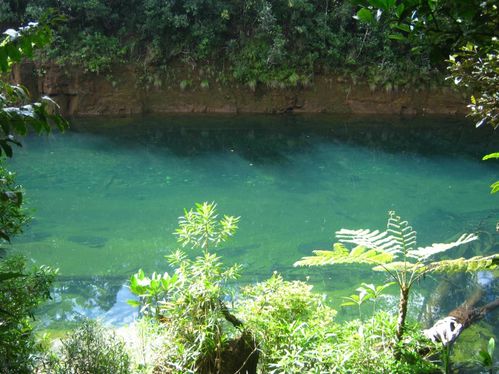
[
  {"x": 21, "y": 292},
  {"x": 297, "y": 333},
  {"x": 91, "y": 349}
]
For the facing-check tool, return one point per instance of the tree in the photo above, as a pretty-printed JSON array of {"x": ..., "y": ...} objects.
[
  {"x": 21, "y": 289},
  {"x": 191, "y": 304},
  {"x": 394, "y": 251},
  {"x": 466, "y": 30},
  {"x": 18, "y": 113}
]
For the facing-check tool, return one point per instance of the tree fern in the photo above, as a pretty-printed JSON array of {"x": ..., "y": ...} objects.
[
  {"x": 341, "y": 255},
  {"x": 395, "y": 251},
  {"x": 422, "y": 254},
  {"x": 472, "y": 264}
]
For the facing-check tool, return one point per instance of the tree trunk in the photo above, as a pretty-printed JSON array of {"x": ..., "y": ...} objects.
[
  {"x": 404, "y": 299},
  {"x": 448, "y": 329}
]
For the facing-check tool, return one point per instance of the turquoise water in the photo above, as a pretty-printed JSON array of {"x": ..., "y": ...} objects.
[{"x": 106, "y": 195}]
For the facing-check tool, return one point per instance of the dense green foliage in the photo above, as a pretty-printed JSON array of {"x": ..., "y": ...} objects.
[
  {"x": 22, "y": 289},
  {"x": 277, "y": 43},
  {"x": 12, "y": 215},
  {"x": 190, "y": 304},
  {"x": 293, "y": 329},
  {"x": 466, "y": 30},
  {"x": 90, "y": 349},
  {"x": 18, "y": 112},
  {"x": 299, "y": 334}
]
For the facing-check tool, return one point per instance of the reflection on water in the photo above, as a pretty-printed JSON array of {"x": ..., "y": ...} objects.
[{"x": 108, "y": 193}]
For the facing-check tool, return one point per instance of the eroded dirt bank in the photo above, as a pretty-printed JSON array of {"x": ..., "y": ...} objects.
[{"x": 87, "y": 94}]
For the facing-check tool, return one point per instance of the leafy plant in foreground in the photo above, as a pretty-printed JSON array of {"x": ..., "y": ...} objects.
[
  {"x": 366, "y": 292},
  {"x": 394, "y": 252},
  {"x": 290, "y": 322},
  {"x": 91, "y": 349},
  {"x": 22, "y": 290},
  {"x": 486, "y": 356},
  {"x": 298, "y": 333},
  {"x": 18, "y": 113},
  {"x": 201, "y": 228},
  {"x": 190, "y": 303}
]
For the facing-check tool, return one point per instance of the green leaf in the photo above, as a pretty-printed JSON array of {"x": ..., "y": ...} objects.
[
  {"x": 473, "y": 264},
  {"x": 6, "y": 148},
  {"x": 341, "y": 255},
  {"x": 380, "y": 4},
  {"x": 4, "y": 59},
  {"x": 396, "y": 36},
  {"x": 27, "y": 47},
  {"x": 491, "y": 155},
  {"x": 365, "y": 15},
  {"x": 134, "y": 303},
  {"x": 491, "y": 347},
  {"x": 399, "y": 9},
  {"x": 404, "y": 27},
  {"x": 13, "y": 52},
  {"x": 494, "y": 187},
  {"x": 348, "y": 303}
]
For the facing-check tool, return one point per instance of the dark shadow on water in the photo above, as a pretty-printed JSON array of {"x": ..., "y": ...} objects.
[{"x": 270, "y": 139}]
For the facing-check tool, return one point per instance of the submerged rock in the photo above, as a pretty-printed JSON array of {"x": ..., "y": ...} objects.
[{"x": 88, "y": 240}]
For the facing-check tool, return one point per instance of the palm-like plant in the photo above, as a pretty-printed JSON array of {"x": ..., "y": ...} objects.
[{"x": 394, "y": 251}]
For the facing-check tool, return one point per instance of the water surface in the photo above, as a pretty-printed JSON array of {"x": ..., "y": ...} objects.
[{"x": 107, "y": 194}]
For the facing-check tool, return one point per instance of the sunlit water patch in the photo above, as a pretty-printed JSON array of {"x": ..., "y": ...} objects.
[{"x": 107, "y": 195}]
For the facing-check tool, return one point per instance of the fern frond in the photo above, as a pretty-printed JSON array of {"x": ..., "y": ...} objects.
[
  {"x": 476, "y": 263},
  {"x": 369, "y": 239},
  {"x": 422, "y": 254},
  {"x": 341, "y": 255},
  {"x": 402, "y": 233}
]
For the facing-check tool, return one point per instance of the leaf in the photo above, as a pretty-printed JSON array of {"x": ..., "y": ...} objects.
[
  {"x": 134, "y": 303},
  {"x": 4, "y": 59},
  {"x": 27, "y": 47},
  {"x": 401, "y": 231},
  {"x": 396, "y": 36},
  {"x": 365, "y": 15},
  {"x": 473, "y": 264},
  {"x": 490, "y": 156},
  {"x": 491, "y": 347},
  {"x": 422, "y": 254},
  {"x": 341, "y": 255},
  {"x": 485, "y": 358},
  {"x": 494, "y": 187},
  {"x": 404, "y": 27},
  {"x": 370, "y": 239},
  {"x": 399, "y": 9},
  {"x": 6, "y": 148},
  {"x": 348, "y": 303},
  {"x": 381, "y": 4}
]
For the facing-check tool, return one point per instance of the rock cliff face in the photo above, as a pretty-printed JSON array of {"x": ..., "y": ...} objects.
[{"x": 87, "y": 94}]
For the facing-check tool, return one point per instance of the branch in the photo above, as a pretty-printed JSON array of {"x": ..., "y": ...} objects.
[
  {"x": 237, "y": 323},
  {"x": 448, "y": 329}
]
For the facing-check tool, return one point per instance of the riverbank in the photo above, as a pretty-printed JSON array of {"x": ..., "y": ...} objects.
[{"x": 123, "y": 92}]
